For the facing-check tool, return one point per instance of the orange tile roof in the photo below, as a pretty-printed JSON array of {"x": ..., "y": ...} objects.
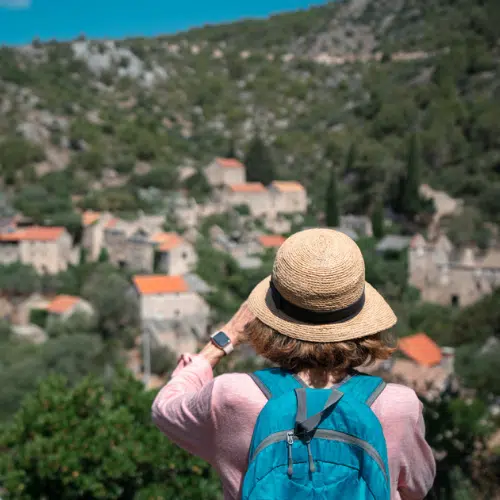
[
  {"x": 160, "y": 284},
  {"x": 34, "y": 233},
  {"x": 229, "y": 163},
  {"x": 89, "y": 217},
  {"x": 62, "y": 303},
  {"x": 248, "y": 187},
  {"x": 421, "y": 348},
  {"x": 288, "y": 186},
  {"x": 167, "y": 241},
  {"x": 271, "y": 240}
]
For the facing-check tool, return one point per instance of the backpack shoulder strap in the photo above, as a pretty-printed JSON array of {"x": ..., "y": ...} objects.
[
  {"x": 274, "y": 382},
  {"x": 365, "y": 388}
]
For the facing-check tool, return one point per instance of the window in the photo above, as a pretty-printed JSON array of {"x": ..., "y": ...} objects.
[
  {"x": 455, "y": 300},
  {"x": 184, "y": 255}
]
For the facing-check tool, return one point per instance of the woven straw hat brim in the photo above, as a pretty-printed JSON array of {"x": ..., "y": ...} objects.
[{"x": 376, "y": 316}]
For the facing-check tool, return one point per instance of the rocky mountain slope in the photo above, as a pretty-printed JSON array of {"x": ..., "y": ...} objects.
[{"x": 90, "y": 123}]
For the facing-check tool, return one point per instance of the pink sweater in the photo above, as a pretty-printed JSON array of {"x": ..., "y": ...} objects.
[{"x": 214, "y": 418}]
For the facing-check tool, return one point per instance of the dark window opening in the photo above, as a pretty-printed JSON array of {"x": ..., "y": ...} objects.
[{"x": 455, "y": 300}]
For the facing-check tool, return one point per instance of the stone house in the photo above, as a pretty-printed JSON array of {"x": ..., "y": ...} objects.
[
  {"x": 47, "y": 249},
  {"x": 116, "y": 234},
  {"x": 288, "y": 197},
  {"x": 140, "y": 251},
  {"x": 252, "y": 194},
  {"x": 225, "y": 172},
  {"x": 93, "y": 232},
  {"x": 63, "y": 307},
  {"x": 168, "y": 304},
  {"x": 448, "y": 276},
  {"x": 176, "y": 256}
]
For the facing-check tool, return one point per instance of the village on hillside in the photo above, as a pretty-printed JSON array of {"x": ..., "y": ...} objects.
[{"x": 170, "y": 296}]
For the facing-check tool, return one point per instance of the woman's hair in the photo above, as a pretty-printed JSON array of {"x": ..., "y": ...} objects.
[{"x": 334, "y": 357}]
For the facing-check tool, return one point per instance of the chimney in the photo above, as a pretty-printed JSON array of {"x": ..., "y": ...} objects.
[{"x": 448, "y": 359}]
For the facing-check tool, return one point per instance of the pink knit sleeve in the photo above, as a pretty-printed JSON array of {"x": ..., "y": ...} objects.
[
  {"x": 418, "y": 466},
  {"x": 182, "y": 408}
]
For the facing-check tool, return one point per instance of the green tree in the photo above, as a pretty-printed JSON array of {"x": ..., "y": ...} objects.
[
  {"x": 410, "y": 196},
  {"x": 231, "y": 150},
  {"x": 332, "y": 201},
  {"x": 378, "y": 220},
  {"x": 116, "y": 307},
  {"x": 96, "y": 440},
  {"x": 163, "y": 360},
  {"x": 259, "y": 162}
]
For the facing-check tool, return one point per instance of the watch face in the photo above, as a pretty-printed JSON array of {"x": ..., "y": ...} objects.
[{"x": 221, "y": 339}]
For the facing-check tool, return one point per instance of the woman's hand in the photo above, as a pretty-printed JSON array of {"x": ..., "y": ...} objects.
[{"x": 235, "y": 327}]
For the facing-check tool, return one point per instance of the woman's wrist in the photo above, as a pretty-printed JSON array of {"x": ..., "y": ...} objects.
[{"x": 212, "y": 354}]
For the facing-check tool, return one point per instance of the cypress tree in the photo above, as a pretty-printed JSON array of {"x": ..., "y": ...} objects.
[
  {"x": 231, "y": 150},
  {"x": 410, "y": 200},
  {"x": 378, "y": 220},
  {"x": 332, "y": 201},
  {"x": 259, "y": 162}
]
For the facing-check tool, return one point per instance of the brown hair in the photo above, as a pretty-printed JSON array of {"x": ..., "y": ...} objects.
[{"x": 336, "y": 358}]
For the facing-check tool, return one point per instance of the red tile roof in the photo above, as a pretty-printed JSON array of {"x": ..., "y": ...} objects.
[
  {"x": 288, "y": 186},
  {"x": 62, "y": 303},
  {"x": 248, "y": 187},
  {"x": 421, "y": 349},
  {"x": 229, "y": 163},
  {"x": 271, "y": 240},
  {"x": 89, "y": 217},
  {"x": 167, "y": 241},
  {"x": 34, "y": 233},
  {"x": 160, "y": 284},
  {"x": 111, "y": 223}
]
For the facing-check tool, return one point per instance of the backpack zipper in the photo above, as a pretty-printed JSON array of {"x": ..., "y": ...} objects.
[{"x": 327, "y": 434}]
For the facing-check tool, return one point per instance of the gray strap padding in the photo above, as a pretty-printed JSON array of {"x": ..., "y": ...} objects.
[
  {"x": 305, "y": 425},
  {"x": 261, "y": 385},
  {"x": 376, "y": 393}
]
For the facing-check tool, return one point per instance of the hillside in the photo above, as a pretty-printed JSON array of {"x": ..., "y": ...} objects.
[{"x": 88, "y": 123}]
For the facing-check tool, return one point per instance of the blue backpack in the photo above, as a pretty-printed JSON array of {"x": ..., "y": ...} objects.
[{"x": 317, "y": 443}]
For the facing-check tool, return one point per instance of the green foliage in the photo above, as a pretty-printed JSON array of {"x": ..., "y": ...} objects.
[
  {"x": 38, "y": 317},
  {"x": 163, "y": 360},
  {"x": 332, "y": 197},
  {"x": 95, "y": 441},
  {"x": 457, "y": 431},
  {"x": 17, "y": 155},
  {"x": 198, "y": 187},
  {"x": 410, "y": 201},
  {"x": 23, "y": 365},
  {"x": 19, "y": 279},
  {"x": 259, "y": 162},
  {"x": 477, "y": 365},
  {"x": 378, "y": 220},
  {"x": 115, "y": 305},
  {"x": 38, "y": 203},
  {"x": 478, "y": 322}
]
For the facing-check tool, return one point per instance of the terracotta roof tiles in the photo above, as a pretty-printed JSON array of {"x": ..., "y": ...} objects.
[
  {"x": 248, "y": 187},
  {"x": 160, "y": 284},
  {"x": 421, "y": 349},
  {"x": 229, "y": 163},
  {"x": 271, "y": 240},
  {"x": 34, "y": 233},
  {"x": 287, "y": 186},
  {"x": 62, "y": 303},
  {"x": 89, "y": 217},
  {"x": 167, "y": 241}
]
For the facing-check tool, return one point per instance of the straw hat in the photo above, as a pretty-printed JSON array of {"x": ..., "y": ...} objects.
[{"x": 318, "y": 292}]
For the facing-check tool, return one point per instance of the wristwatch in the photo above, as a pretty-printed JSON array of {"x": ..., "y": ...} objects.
[{"x": 222, "y": 341}]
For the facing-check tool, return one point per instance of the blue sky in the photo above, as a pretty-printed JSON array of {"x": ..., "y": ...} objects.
[{"x": 23, "y": 20}]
